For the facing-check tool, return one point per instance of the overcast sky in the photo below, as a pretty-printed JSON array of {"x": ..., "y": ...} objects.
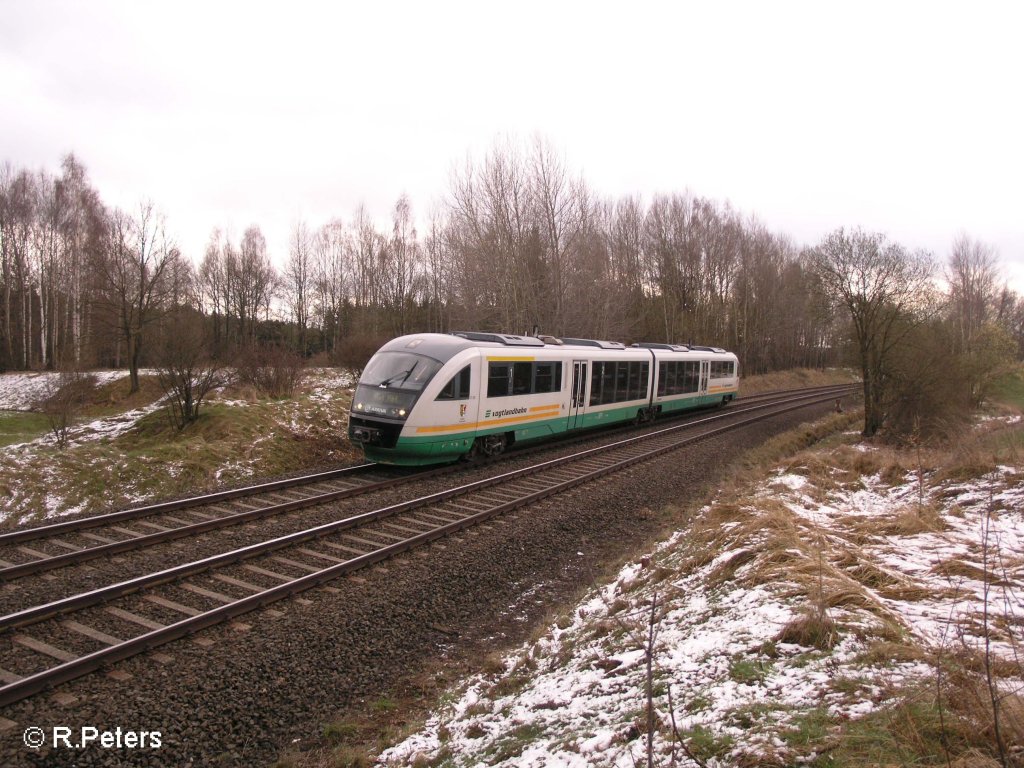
[{"x": 904, "y": 118}]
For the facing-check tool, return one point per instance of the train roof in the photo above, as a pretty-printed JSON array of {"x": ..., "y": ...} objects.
[{"x": 444, "y": 346}]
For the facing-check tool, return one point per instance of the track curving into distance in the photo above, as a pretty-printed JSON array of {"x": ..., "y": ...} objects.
[{"x": 47, "y": 644}]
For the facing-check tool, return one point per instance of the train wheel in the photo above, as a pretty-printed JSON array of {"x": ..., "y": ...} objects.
[
  {"x": 486, "y": 448},
  {"x": 493, "y": 445}
]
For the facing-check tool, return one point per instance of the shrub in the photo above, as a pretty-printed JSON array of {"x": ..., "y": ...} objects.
[
  {"x": 186, "y": 373},
  {"x": 66, "y": 395},
  {"x": 272, "y": 370},
  {"x": 355, "y": 352}
]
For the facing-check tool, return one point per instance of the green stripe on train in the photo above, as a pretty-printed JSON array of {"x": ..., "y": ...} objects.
[{"x": 432, "y": 449}]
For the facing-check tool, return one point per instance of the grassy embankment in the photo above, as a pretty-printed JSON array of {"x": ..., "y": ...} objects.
[
  {"x": 239, "y": 436},
  {"x": 888, "y": 692},
  {"x": 21, "y": 426}
]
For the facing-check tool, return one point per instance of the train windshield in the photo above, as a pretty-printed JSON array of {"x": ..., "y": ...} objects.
[{"x": 391, "y": 382}]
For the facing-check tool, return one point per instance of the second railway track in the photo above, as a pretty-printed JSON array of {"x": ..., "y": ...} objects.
[
  {"x": 44, "y": 548},
  {"x": 44, "y": 645}
]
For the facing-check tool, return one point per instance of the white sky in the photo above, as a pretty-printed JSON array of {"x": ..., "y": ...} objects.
[{"x": 900, "y": 117}]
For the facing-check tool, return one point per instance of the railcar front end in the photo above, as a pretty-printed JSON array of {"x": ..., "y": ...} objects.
[{"x": 395, "y": 384}]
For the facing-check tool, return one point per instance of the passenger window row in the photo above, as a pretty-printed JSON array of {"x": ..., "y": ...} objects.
[
  {"x": 610, "y": 382},
  {"x": 510, "y": 378},
  {"x": 678, "y": 377},
  {"x": 616, "y": 382}
]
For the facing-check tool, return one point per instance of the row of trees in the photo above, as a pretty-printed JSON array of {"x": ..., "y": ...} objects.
[
  {"x": 79, "y": 283},
  {"x": 927, "y": 357},
  {"x": 520, "y": 243}
]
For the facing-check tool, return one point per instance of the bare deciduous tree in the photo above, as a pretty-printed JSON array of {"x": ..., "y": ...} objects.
[
  {"x": 334, "y": 265},
  {"x": 972, "y": 275},
  {"x": 251, "y": 282},
  {"x": 66, "y": 394},
  {"x": 136, "y": 272},
  {"x": 884, "y": 288},
  {"x": 298, "y": 279},
  {"x": 399, "y": 266}
]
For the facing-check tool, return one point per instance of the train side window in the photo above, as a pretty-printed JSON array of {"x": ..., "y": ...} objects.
[
  {"x": 645, "y": 380},
  {"x": 608, "y": 383},
  {"x": 596, "y": 377},
  {"x": 633, "y": 388},
  {"x": 721, "y": 370},
  {"x": 522, "y": 378},
  {"x": 692, "y": 377},
  {"x": 457, "y": 388},
  {"x": 498, "y": 379},
  {"x": 621, "y": 382},
  {"x": 544, "y": 377}
]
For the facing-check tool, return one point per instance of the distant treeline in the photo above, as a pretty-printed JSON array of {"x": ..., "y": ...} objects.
[{"x": 520, "y": 243}]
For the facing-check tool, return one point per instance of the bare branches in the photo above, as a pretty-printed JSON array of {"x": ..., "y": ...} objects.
[
  {"x": 885, "y": 291},
  {"x": 971, "y": 274},
  {"x": 137, "y": 274},
  {"x": 187, "y": 373},
  {"x": 521, "y": 242}
]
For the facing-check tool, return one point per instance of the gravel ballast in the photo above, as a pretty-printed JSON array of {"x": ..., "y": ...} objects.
[{"x": 244, "y": 693}]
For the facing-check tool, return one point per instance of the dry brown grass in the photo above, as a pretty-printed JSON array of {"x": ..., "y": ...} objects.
[
  {"x": 913, "y": 519},
  {"x": 726, "y": 570},
  {"x": 788, "y": 445},
  {"x": 811, "y": 628},
  {"x": 830, "y": 573},
  {"x": 957, "y": 568},
  {"x": 974, "y": 759},
  {"x": 967, "y": 693},
  {"x": 849, "y": 598},
  {"x": 794, "y": 379},
  {"x": 886, "y": 651}
]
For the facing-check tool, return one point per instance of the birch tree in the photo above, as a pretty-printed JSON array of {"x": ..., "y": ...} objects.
[{"x": 298, "y": 278}]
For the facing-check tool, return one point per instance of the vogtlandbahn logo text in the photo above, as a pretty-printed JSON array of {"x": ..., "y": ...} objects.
[{"x": 506, "y": 412}]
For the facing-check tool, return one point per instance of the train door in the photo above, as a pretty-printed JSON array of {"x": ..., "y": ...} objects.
[
  {"x": 577, "y": 403},
  {"x": 705, "y": 374}
]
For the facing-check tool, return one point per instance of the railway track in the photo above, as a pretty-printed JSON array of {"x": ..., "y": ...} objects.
[
  {"x": 45, "y": 548},
  {"x": 45, "y": 645}
]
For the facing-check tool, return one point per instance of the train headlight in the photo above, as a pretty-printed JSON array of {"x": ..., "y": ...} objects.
[
  {"x": 401, "y": 413},
  {"x": 359, "y": 406}
]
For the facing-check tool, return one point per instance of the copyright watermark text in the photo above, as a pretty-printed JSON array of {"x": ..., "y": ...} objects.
[{"x": 66, "y": 737}]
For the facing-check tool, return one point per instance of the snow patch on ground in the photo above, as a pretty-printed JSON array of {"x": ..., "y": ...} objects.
[
  {"x": 21, "y": 391},
  {"x": 577, "y": 695}
]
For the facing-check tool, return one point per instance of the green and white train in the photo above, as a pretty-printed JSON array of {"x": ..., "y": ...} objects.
[{"x": 431, "y": 398}]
